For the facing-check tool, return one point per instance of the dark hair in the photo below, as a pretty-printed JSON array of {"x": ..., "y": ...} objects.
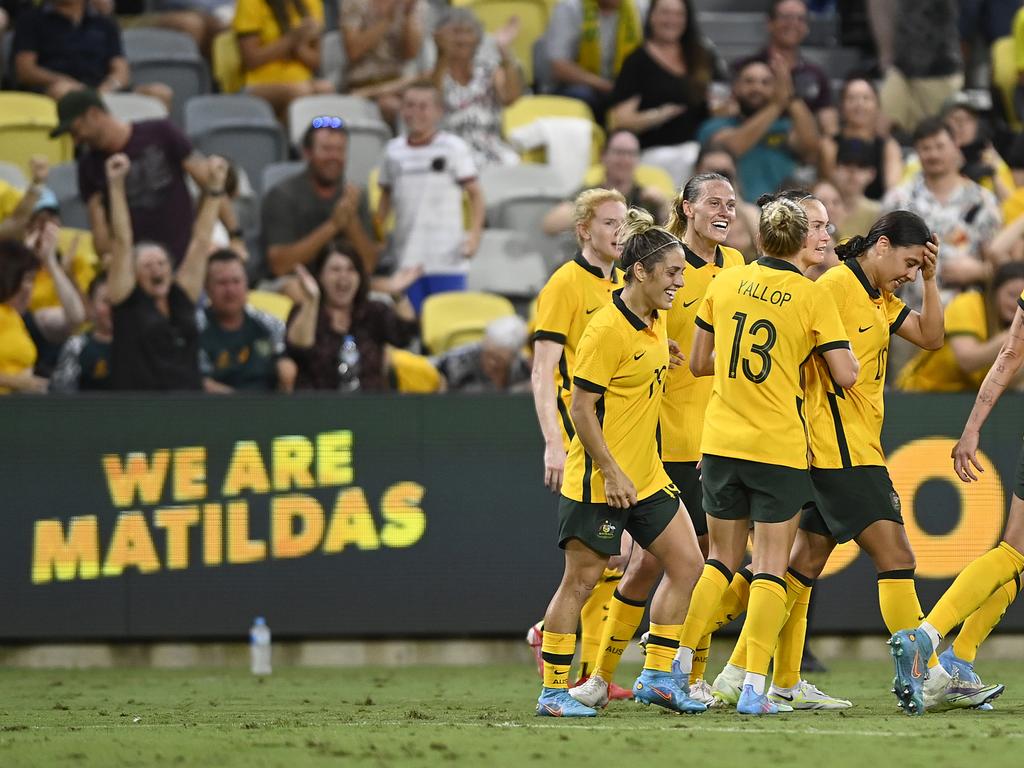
[
  {"x": 698, "y": 59},
  {"x": 1011, "y": 270},
  {"x": 856, "y": 152},
  {"x": 279, "y": 10},
  {"x": 900, "y": 228},
  {"x": 223, "y": 256},
  {"x": 643, "y": 242},
  {"x": 741, "y": 65},
  {"x": 311, "y": 130},
  {"x": 690, "y": 192},
  {"x": 94, "y": 285},
  {"x": 16, "y": 261},
  {"x": 930, "y": 126},
  {"x": 774, "y": 9},
  {"x": 856, "y": 77},
  {"x": 794, "y": 195},
  {"x": 343, "y": 249}
]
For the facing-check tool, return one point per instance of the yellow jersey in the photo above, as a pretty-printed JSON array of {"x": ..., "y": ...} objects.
[
  {"x": 625, "y": 361},
  {"x": 767, "y": 319},
  {"x": 566, "y": 304},
  {"x": 17, "y": 350},
  {"x": 254, "y": 17},
  {"x": 845, "y": 426},
  {"x": 686, "y": 397},
  {"x": 938, "y": 370}
]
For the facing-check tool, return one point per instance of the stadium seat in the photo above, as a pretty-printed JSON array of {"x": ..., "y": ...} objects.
[
  {"x": 63, "y": 181},
  {"x": 333, "y": 58},
  {"x": 275, "y": 304},
  {"x": 227, "y": 62},
  {"x": 645, "y": 175},
  {"x": 459, "y": 317},
  {"x": 26, "y": 120},
  {"x": 836, "y": 62},
  {"x": 275, "y": 173},
  {"x": 533, "y": 20},
  {"x": 735, "y": 28},
  {"x": 239, "y": 127},
  {"x": 1004, "y": 76},
  {"x": 13, "y": 175},
  {"x": 519, "y": 196},
  {"x": 302, "y": 111},
  {"x": 507, "y": 263},
  {"x": 526, "y": 109},
  {"x": 171, "y": 58},
  {"x": 133, "y": 107}
]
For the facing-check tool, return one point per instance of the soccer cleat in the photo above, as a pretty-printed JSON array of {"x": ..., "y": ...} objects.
[
  {"x": 953, "y": 663},
  {"x": 664, "y": 690},
  {"x": 728, "y": 685},
  {"x": 535, "y": 639},
  {"x": 805, "y": 695},
  {"x": 556, "y": 702},
  {"x": 701, "y": 691},
  {"x": 592, "y": 692},
  {"x": 943, "y": 691},
  {"x": 753, "y": 703},
  {"x": 618, "y": 693},
  {"x": 910, "y": 649}
]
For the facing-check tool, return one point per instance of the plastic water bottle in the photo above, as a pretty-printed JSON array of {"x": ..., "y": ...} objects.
[
  {"x": 348, "y": 365},
  {"x": 259, "y": 647}
]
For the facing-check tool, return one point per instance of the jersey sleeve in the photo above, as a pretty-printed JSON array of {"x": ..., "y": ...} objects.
[
  {"x": 597, "y": 359},
  {"x": 250, "y": 17},
  {"x": 704, "y": 314},
  {"x": 826, "y": 324},
  {"x": 556, "y": 308},
  {"x": 965, "y": 316},
  {"x": 896, "y": 312}
]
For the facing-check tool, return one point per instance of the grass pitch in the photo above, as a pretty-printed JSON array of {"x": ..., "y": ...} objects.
[{"x": 480, "y": 716}]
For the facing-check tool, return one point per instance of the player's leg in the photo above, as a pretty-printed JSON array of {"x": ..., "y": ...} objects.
[
  {"x": 960, "y": 656},
  {"x": 596, "y": 610}
]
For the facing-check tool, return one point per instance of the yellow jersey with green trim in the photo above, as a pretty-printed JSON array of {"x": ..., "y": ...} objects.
[
  {"x": 767, "y": 319},
  {"x": 566, "y": 304},
  {"x": 686, "y": 397},
  {"x": 845, "y": 425},
  {"x": 625, "y": 361},
  {"x": 938, "y": 370}
]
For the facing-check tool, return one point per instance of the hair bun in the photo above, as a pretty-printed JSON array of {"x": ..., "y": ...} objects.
[{"x": 852, "y": 247}]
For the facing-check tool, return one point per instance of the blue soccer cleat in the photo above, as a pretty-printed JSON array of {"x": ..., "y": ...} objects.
[
  {"x": 663, "y": 689},
  {"x": 910, "y": 649},
  {"x": 753, "y": 703},
  {"x": 556, "y": 702},
  {"x": 965, "y": 669}
]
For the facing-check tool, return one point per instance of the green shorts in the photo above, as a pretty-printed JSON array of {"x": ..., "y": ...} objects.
[
  {"x": 686, "y": 477},
  {"x": 600, "y": 526},
  {"x": 848, "y": 500},
  {"x": 735, "y": 489}
]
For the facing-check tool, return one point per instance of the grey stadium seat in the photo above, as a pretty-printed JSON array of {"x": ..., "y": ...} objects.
[
  {"x": 13, "y": 175},
  {"x": 735, "y": 29},
  {"x": 134, "y": 107},
  {"x": 507, "y": 263},
  {"x": 172, "y": 58},
  {"x": 63, "y": 181},
  {"x": 274, "y": 173},
  {"x": 518, "y": 197}
]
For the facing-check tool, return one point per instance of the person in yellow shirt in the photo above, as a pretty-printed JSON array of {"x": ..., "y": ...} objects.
[
  {"x": 614, "y": 479},
  {"x": 16, "y": 207},
  {"x": 18, "y": 266},
  {"x": 756, "y": 327},
  {"x": 977, "y": 324}
]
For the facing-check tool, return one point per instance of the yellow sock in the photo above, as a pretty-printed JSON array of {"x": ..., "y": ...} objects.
[
  {"x": 662, "y": 644},
  {"x": 790, "y": 650},
  {"x": 734, "y": 601},
  {"x": 592, "y": 619},
  {"x": 974, "y": 585},
  {"x": 712, "y": 584},
  {"x": 897, "y": 599},
  {"x": 624, "y": 616},
  {"x": 739, "y": 651},
  {"x": 700, "y": 659},
  {"x": 557, "y": 649},
  {"x": 765, "y": 616},
  {"x": 981, "y": 623}
]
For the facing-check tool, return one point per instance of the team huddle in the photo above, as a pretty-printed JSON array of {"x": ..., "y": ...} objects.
[{"x": 691, "y": 403}]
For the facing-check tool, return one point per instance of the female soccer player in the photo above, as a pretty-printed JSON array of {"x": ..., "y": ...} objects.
[
  {"x": 756, "y": 327},
  {"x": 614, "y": 478}
]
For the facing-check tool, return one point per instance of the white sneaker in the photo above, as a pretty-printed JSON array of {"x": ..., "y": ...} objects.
[
  {"x": 701, "y": 691},
  {"x": 805, "y": 695},
  {"x": 729, "y": 685},
  {"x": 592, "y": 693}
]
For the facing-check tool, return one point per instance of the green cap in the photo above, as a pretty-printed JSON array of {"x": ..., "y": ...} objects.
[{"x": 73, "y": 105}]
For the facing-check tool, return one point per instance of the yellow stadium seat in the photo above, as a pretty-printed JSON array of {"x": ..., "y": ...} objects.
[
  {"x": 459, "y": 317},
  {"x": 645, "y": 175},
  {"x": 411, "y": 373},
  {"x": 275, "y": 304},
  {"x": 526, "y": 109},
  {"x": 533, "y": 20},
  {"x": 26, "y": 120},
  {"x": 227, "y": 62}
]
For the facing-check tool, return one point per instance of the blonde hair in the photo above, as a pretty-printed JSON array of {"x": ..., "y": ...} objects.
[
  {"x": 587, "y": 202},
  {"x": 782, "y": 228},
  {"x": 643, "y": 241}
]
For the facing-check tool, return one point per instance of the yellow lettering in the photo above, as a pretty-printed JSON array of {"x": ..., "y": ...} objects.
[
  {"x": 292, "y": 457},
  {"x": 334, "y": 458},
  {"x": 213, "y": 534},
  {"x": 351, "y": 523},
  {"x": 131, "y": 546},
  {"x": 176, "y": 521},
  {"x": 404, "y": 521},
  {"x": 285, "y": 511},
  {"x": 190, "y": 473},
  {"x": 136, "y": 475},
  {"x": 66, "y": 558},
  {"x": 246, "y": 471},
  {"x": 242, "y": 549}
]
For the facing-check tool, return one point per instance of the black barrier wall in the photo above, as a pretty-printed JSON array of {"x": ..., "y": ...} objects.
[{"x": 183, "y": 517}]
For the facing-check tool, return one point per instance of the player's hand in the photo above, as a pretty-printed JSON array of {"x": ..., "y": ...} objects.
[
  {"x": 964, "y": 454},
  {"x": 931, "y": 258},
  {"x": 554, "y": 467},
  {"x": 675, "y": 354},
  {"x": 619, "y": 489},
  {"x": 117, "y": 167}
]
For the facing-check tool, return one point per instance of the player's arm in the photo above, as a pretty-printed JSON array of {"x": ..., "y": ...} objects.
[
  {"x": 842, "y": 364},
  {"x": 618, "y": 488},
  {"x": 702, "y": 355},
  {"x": 998, "y": 378},
  {"x": 926, "y": 328},
  {"x": 546, "y": 355}
]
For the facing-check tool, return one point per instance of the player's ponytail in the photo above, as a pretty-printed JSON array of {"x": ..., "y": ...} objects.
[
  {"x": 642, "y": 241},
  {"x": 782, "y": 228},
  {"x": 900, "y": 228}
]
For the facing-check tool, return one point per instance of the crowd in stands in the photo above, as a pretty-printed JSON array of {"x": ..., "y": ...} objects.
[{"x": 409, "y": 129}]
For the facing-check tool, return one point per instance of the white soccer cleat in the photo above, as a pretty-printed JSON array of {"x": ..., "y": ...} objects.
[
  {"x": 943, "y": 691},
  {"x": 701, "y": 691},
  {"x": 805, "y": 695},
  {"x": 592, "y": 693},
  {"x": 729, "y": 685}
]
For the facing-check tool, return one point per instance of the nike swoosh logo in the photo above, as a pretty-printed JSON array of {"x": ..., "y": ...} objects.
[
  {"x": 637, "y": 357},
  {"x": 915, "y": 671},
  {"x": 690, "y": 303},
  {"x": 592, "y": 311},
  {"x": 665, "y": 696},
  {"x": 864, "y": 329},
  {"x": 553, "y": 711},
  {"x": 615, "y": 639},
  {"x": 784, "y": 696}
]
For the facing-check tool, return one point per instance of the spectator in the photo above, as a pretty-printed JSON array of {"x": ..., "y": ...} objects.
[
  {"x": 772, "y": 131},
  {"x": 476, "y": 85},
  {"x": 661, "y": 92},
  {"x": 588, "y": 41},
  {"x": 981, "y": 161},
  {"x": 202, "y": 20},
  {"x": 1013, "y": 206},
  {"x": 65, "y": 45},
  {"x": 160, "y": 155},
  {"x": 963, "y": 214},
  {"x": 714, "y": 158},
  {"x": 280, "y": 45},
  {"x": 423, "y": 177},
  {"x": 74, "y": 255},
  {"x": 855, "y": 170},
  {"x": 787, "y": 30},
  {"x": 380, "y": 37},
  {"x": 495, "y": 364},
  {"x": 335, "y": 305},
  {"x": 620, "y": 159},
  {"x": 305, "y": 212},
  {"x": 919, "y": 51},
  {"x": 860, "y": 121},
  {"x": 156, "y": 341},
  {"x": 977, "y": 324},
  {"x": 16, "y": 207},
  {"x": 84, "y": 361},
  {"x": 17, "y": 351},
  {"x": 240, "y": 347}
]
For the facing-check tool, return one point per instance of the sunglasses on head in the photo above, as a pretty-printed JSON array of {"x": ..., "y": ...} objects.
[{"x": 328, "y": 121}]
